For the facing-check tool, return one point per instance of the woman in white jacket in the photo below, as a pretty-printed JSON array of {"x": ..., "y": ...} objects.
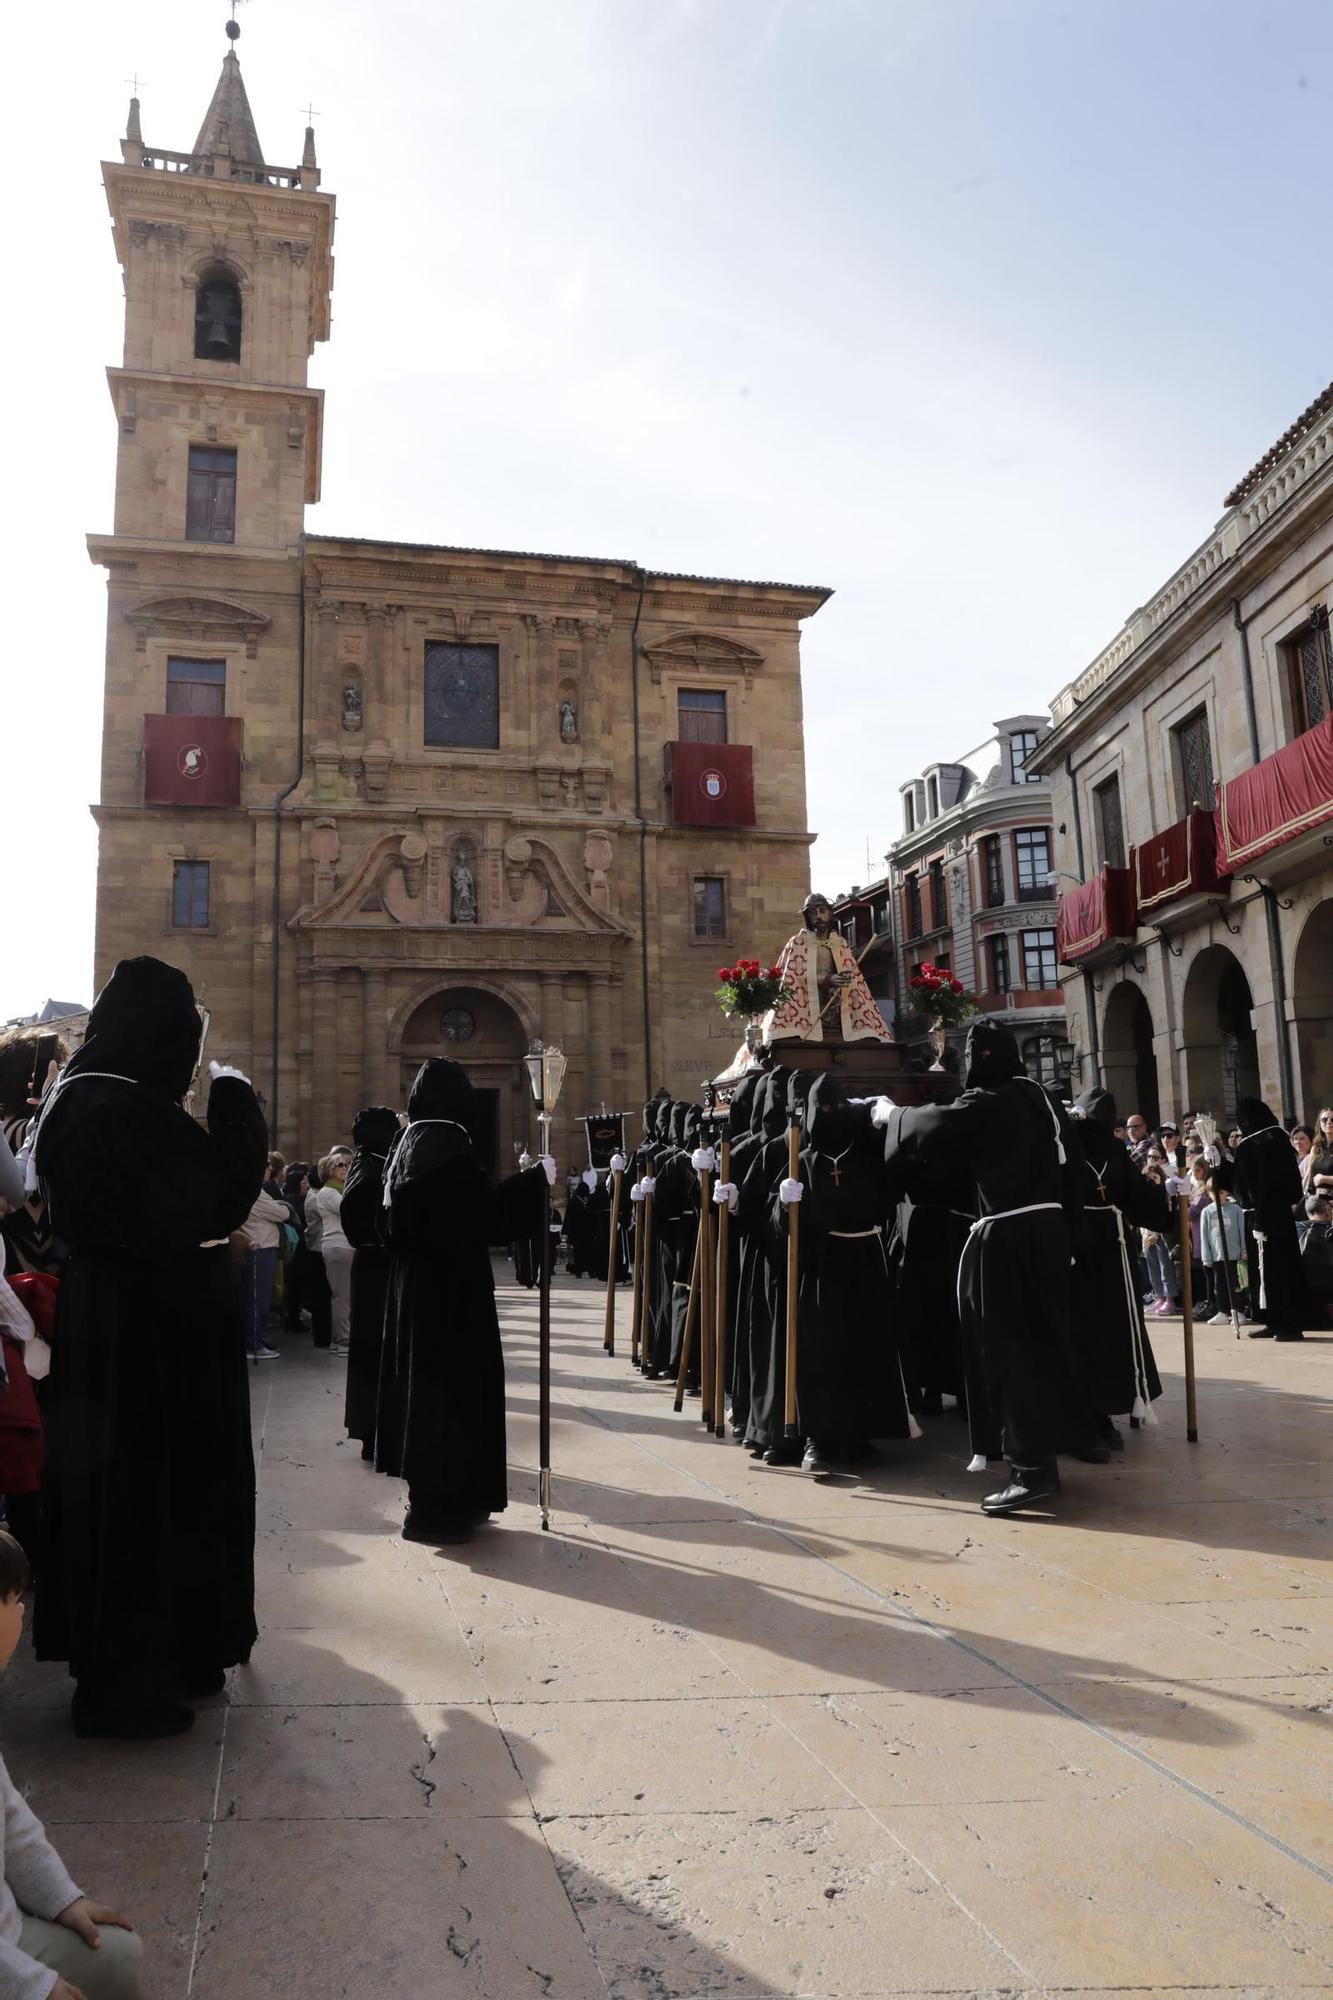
[{"x": 326, "y": 1201}]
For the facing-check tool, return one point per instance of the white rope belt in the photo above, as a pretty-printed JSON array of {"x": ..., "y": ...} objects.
[
  {"x": 1003, "y": 1214},
  {"x": 850, "y": 1235}
]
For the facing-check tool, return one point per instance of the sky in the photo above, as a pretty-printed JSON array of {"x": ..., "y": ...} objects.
[{"x": 971, "y": 310}]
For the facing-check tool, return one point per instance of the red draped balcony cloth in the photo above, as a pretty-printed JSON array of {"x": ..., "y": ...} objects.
[
  {"x": 1095, "y": 914},
  {"x": 712, "y": 784},
  {"x": 192, "y": 760},
  {"x": 1181, "y": 860},
  {"x": 1285, "y": 795}
]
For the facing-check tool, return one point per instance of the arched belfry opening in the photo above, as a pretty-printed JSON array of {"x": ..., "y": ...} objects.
[{"x": 217, "y": 316}]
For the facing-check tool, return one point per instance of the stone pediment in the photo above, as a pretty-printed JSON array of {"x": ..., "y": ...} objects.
[
  {"x": 396, "y": 883},
  {"x": 702, "y": 653},
  {"x": 206, "y": 620}
]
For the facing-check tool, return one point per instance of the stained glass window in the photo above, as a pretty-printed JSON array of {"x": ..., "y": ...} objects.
[{"x": 463, "y": 696}]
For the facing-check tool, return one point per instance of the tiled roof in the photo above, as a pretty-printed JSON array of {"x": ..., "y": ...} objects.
[
  {"x": 1304, "y": 422},
  {"x": 537, "y": 555}
]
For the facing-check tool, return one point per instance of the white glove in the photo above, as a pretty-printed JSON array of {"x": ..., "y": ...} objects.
[
  {"x": 648, "y": 1183},
  {"x": 217, "y": 1069},
  {"x": 1213, "y": 1157},
  {"x": 703, "y": 1159},
  {"x": 547, "y": 1160},
  {"x": 789, "y": 1192},
  {"x": 618, "y": 1163},
  {"x": 590, "y": 1178},
  {"x": 636, "y": 1192},
  {"x": 879, "y": 1111},
  {"x": 728, "y": 1192}
]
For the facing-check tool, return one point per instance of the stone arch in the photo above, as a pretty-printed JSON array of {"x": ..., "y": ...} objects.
[
  {"x": 1312, "y": 1010},
  {"x": 1129, "y": 1064},
  {"x": 1217, "y": 1033},
  {"x": 477, "y": 1023}
]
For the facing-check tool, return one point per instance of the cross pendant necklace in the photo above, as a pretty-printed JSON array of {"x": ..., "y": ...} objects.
[{"x": 833, "y": 1165}]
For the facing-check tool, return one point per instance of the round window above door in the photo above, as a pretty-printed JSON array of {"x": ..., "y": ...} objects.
[{"x": 457, "y": 1024}]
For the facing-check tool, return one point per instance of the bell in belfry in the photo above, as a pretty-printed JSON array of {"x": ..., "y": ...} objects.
[{"x": 217, "y": 323}]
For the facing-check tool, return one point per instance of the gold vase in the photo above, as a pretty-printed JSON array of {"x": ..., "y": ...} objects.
[{"x": 939, "y": 1041}]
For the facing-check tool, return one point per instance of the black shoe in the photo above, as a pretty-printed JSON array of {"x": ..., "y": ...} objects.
[
  {"x": 1019, "y": 1493},
  {"x": 932, "y": 1404},
  {"x": 818, "y": 1459},
  {"x": 129, "y": 1719},
  {"x": 1109, "y": 1435},
  {"x": 862, "y": 1452},
  {"x": 1096, "y": 1454},
  {"x": 784, "y": 1453},
  {"x": 1261, "y": 1333},
  {"x": 1288, "y": 1336}
]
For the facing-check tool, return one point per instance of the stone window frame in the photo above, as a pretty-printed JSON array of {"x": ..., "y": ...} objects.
[
  {"x": 231, "y": 652},
  {"x": 509, "y": 732},
  {"x": 1096, "y": 773},
  {"x": 724, "y": 876},
  {"x": 1194, "y": 691},
  {"x": 1278, "y": 645},
  {"x": 189, "y": 851}
]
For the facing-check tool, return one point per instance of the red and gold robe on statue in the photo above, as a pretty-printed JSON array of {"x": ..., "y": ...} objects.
[{"x": 798, "y": 1019}]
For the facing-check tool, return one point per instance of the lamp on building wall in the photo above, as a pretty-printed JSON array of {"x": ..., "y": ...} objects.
[
  {"x": 545, "y": 1067},
  {"x": 1068, "y": 1059}
]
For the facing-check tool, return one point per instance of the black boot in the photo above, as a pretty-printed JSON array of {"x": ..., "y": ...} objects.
[
  {"x": 1109, "y": 1435},
  {"x": 818, "y": 1459},
  {"x": 127, "y": 1717},
  {"x": 789, "y": 1452},
  {"x": 1028, "y": 1486}
]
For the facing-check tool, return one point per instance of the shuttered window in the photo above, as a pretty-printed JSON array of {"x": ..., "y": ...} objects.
[
  {"x": 196, "y": 687},
  {"x": 210, "y": 495}
]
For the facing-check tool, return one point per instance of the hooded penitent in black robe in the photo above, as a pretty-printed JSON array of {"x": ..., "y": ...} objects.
[
  {"x": 374, "y": 1133},
  {"x": 147, "y": 1585},
  {"x": 1026, "y": 1386},
  {"x": 656, "y": 1336},
  {"x": 1266, "y": 1181},
  {"x": 930, "y": 1234},
  {"x": 676, "y": 1207},
  {"x": 743, "y": 1140},
  {"x": 764, "y": 1429},
  {"x": 849, "y": 1384},
  {"x": 440, "y": 1420},
  {"x": 643, "y": 1165},
  {"x": 1117, "y": 1198}
]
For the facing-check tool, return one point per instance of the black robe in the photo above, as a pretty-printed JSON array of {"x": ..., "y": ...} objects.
[
  {"x": 1027, "y": 1395},
  {"x": 1108, "y": 1306},
  {"x": 762, "y": 1307},
  {"x": 440, "y": 1417},
  {"x": 148, "y": 1570},
  {"x": 1266, "y": 1181},
  {"x": 362, "y": 1206},
  {"x": 676, "y": 1221},
  {"x": 930, "y": 1235},
  {"x": 849, "y": 1381}
]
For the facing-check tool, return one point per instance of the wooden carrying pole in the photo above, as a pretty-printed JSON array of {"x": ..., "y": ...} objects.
[
  {"x": 613, "y": 1266},
  {"x": 721, "y": 1328},
  {"x": 691, "y": 1321},
  {"x": 706, "y": 1299},
  {"x": 793, "y": 1278},
  {"x": 1187, "y": 1308},
  {"x": 636, "y": 1288}
]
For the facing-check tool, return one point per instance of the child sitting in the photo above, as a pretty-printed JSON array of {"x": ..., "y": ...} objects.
[{"x": 50, "y": 1945}]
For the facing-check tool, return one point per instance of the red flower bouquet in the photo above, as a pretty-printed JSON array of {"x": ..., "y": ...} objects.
[
  {"x": 749, "y": 988},
  {"x": 944, "y": 998}
]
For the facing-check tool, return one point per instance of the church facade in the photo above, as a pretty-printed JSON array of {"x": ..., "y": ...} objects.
[{"x": 384, "y": 801}]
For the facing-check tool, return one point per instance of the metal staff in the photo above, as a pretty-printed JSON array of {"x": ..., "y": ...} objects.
[
  {"x": 721, "y": 1329},
  {"x": 793, "y": 1271},
  {"x": 613, "y": 1263},
  {"x": 647, "y": 1325},
  {"x": 636, "y": 1288},
  {"x": 1226, "y": 1261},
  {"x": 1187, "y": 1307},
  {"x": 691, "y": 1321}
]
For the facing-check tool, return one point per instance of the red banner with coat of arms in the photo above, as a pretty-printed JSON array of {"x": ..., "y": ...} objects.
[
  {"x": 712, "y": 784},
  {"x": 1181, "y": 860},
  {"x": 192, "y": 760}
]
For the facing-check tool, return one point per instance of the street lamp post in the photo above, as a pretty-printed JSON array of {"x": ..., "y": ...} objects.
[{"x": 545, "y": 1068}]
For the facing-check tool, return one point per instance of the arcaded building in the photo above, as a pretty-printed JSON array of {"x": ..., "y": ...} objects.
[{"x": 383, "y": 801}]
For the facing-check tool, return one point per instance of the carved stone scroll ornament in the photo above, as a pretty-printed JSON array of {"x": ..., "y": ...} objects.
[
  {"x": 597, "y": 857},
  {"x": 325, "y": 848},
  {"x": 403, "y": 880},
  {"x": 526, "y": 898}
]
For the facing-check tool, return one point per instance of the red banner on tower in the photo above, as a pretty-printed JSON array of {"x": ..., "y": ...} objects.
[
  {"x": 712, "y": 784},
  {"x": 192, "y": 760}
]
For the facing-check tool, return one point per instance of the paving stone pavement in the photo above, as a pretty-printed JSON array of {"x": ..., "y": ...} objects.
[{"x": 731, "y": 1731}]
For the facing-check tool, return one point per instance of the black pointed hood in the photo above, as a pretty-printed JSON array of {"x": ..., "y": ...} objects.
[
  {"x": 992, "y": 1055},
  {"x": 831, "y": 1123},
  {"x": 741, "y": 1108},
  {"x": 1252, "y": 1115},
  {"x": 144, "y": 1024},
  {"x": 773, "y": 1117},
  {"x": 1097, "y": 1106},
  {"x": 375, "y": 1129}
]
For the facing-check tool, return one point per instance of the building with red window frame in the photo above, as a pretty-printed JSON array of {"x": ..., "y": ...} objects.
[
  {"x": 971, "y": 885},
  {"x": 1191, "y": 767}
]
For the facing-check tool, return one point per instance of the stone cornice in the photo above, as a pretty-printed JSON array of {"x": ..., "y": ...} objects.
[{"x": 305, "y": 407}]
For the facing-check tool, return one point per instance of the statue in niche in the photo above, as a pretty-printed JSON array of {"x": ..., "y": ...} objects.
[
  {"x": 569, "y": 721},
  {"x": 351, "y": 706},
  {"x": 462, "y": 893}
]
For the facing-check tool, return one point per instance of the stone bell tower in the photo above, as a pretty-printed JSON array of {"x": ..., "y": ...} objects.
[{"x": 227, "y": 267}]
